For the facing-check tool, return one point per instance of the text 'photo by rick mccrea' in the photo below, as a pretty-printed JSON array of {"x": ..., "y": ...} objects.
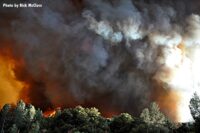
[{"x": 22, "y": 3}]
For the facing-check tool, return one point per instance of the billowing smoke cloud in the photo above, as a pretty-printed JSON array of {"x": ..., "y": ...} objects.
[{"x": 115, "y": 55}]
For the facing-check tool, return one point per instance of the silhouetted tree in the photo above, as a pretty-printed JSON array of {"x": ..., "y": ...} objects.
[
  {"x": 195, "y": 106},
  {"x": 152, "y": 115},
  {"x": 13, "y": 129},
  {"x": 3, "y": 116},
  {"x": 25, "y": 118},
  {"x": 121, "y": 123},
  {"x": 195, "y": 111}
]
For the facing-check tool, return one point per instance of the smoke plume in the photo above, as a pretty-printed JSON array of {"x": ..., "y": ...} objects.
[{"x": 115, "y": 55}]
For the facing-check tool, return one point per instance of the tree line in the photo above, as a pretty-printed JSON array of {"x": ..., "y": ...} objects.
[{"x": 25, "y": 118}]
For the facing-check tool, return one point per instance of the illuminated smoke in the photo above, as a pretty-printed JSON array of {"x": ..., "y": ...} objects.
[
  {"x": 115, "y": 55},
  {"x": 9, "y": 85}
]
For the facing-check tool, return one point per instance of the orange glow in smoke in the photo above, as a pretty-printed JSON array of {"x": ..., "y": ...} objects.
[
  {"x": 111, "y": 114},
  {"x": 10, "y": 87},
  {"x": 168, "y": 102}
]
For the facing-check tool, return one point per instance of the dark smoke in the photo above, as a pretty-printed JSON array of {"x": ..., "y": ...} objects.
[{"x": 101, "y": 53}]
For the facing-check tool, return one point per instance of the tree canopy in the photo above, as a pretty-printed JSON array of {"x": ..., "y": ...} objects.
[{"x": 25, "y": 118}]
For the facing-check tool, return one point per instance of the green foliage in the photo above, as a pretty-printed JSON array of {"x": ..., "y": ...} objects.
[
  {"x": 185, "y": 128},
  {"x": 195, "y": 106},
  {"x": 3, "y": 116},
  {"x": 153, "y": 116},
  {"x": 195, "y": 111},
  {"x": 35, "y": 127},
  {"x": 20, "y": 119},
  {"x": 80, "y": 119},
  {"x": 26, "y": 119},
  {"x": 13, "y": 129},
  {"x": 121, "y": 123}
]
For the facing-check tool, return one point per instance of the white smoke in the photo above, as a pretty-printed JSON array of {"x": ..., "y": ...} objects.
[
  {"x": 174, "y": 67},
  {"x": 192, "y": 35}
]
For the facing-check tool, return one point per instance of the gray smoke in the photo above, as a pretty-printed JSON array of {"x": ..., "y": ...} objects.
[{"x": 107, "y": 53}]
